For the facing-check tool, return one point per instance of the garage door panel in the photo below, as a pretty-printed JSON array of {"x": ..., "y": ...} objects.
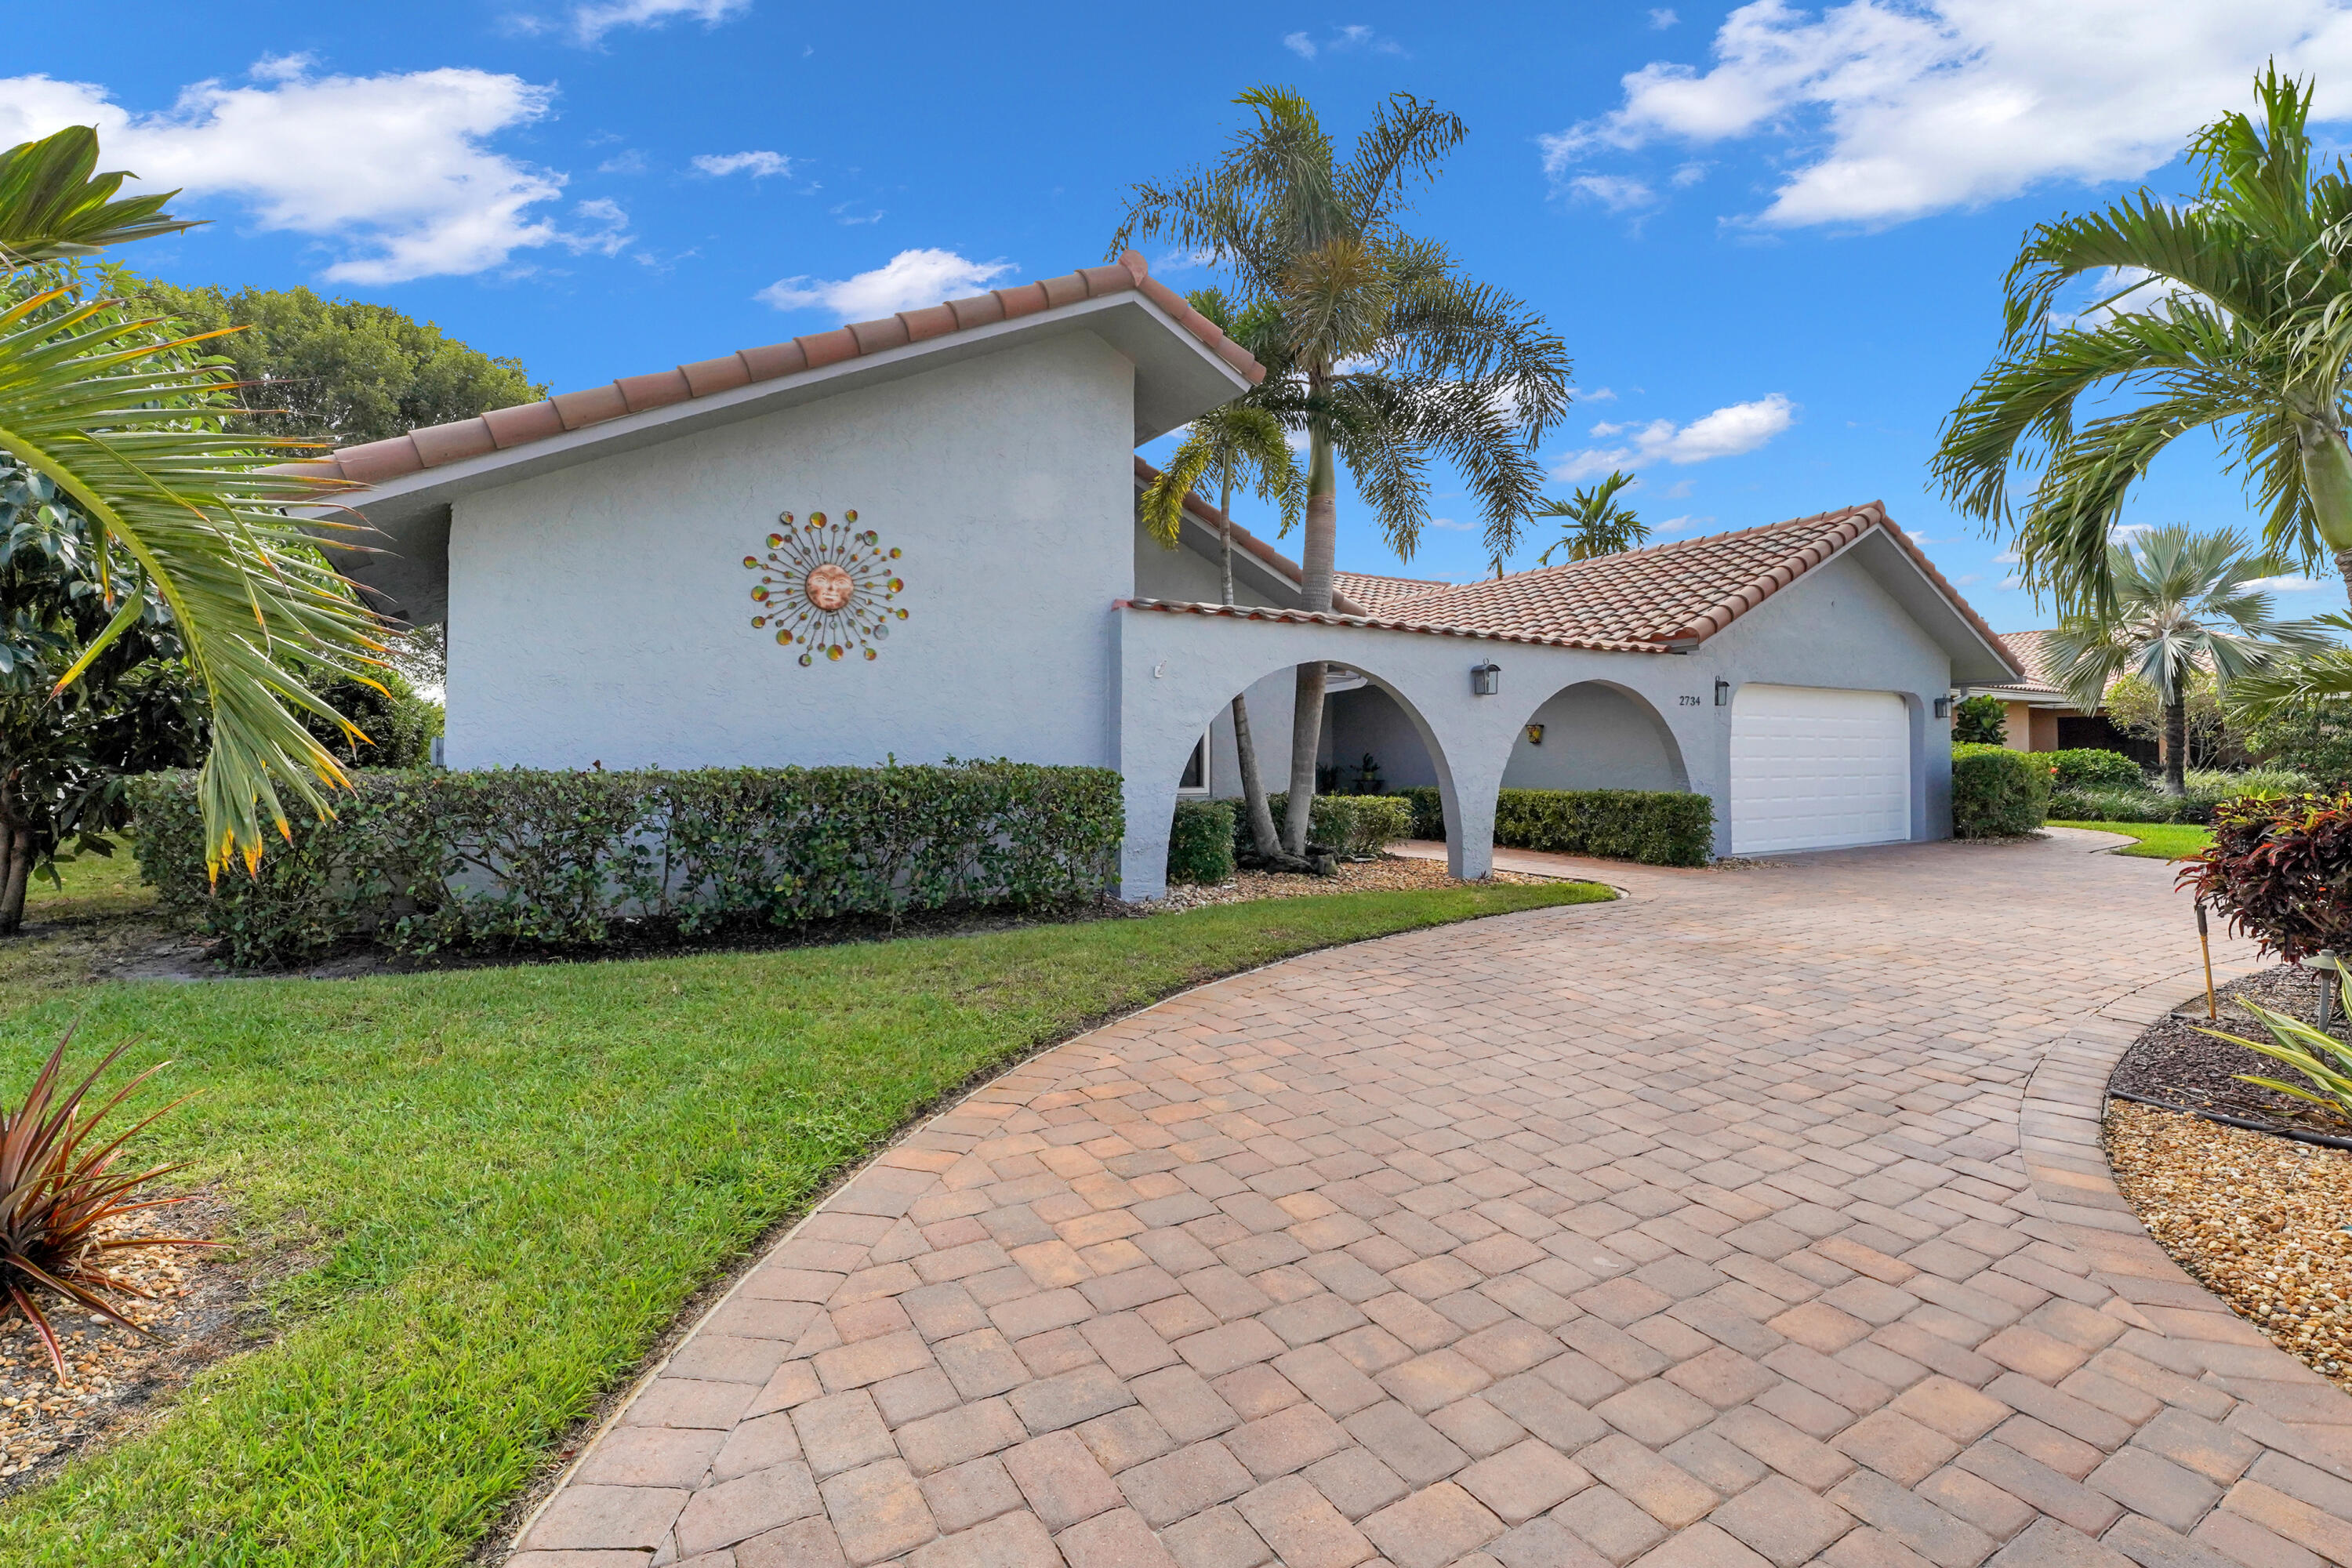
[{"x": 1813, "y": 768}]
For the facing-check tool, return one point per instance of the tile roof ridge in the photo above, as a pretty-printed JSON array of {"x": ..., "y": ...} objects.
[
  {"x": 1851, "y": 522},
  {"x": 1212, "y": 517},
  {"x": 435, "y": 446}
]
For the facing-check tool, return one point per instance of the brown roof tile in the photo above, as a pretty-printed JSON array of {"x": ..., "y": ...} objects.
[
  {"x": 1386, "y": 595},
  {"x": 435, "y": 446},
  {"x": 1382, "y": 623}
]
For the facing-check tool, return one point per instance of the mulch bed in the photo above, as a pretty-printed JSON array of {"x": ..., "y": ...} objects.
[
  {"x": 1387, "y": 873},
  {"x": 116, "y": 1376},
  {"x": 2258, "y": 1220},
  {"x": 2175, "y": 1063}
]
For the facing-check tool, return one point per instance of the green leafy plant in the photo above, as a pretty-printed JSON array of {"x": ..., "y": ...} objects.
[
  {"x": 1980, "y": 721},
  {"x": 1201, "y": 842},
  {"x": 2280, "y": 870},
  {"x": 1355, "y": 826},
  {"x": 2087, "y": 766},
  {"x": 1998, "y": 793},
  {"x": 2324, "y": 1061},
  {"x": 61, "y": 1198},
  {"x": 1655, "y": 827},
  {"x": 1593, "y": 523}
]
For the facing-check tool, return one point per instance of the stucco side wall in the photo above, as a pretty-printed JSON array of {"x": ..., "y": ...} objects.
[
  {"x": 1595, "y": 737},
  {"x": 602, "y": 613},
  {"x": 1368, "y": 719},
  {"x": 1834, "y": 627}
]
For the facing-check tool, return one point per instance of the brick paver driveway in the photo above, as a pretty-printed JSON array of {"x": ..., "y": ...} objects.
[{"x": 1758, "y": 1218}]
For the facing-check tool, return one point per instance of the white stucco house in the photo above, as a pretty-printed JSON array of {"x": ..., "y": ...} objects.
[{"x": 917, "y": 537}]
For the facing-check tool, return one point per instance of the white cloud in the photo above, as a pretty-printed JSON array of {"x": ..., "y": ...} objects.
[
  {"x": 2120, "y": 290},
  {"x": 1618, "y": 193},
  {"x": 1343, "y": 40},
  {"x": 759, "y": 166},
  {"x": 1595, "y": 395},
  {"x": 1662, "y": 20},
  {"x": 2295, "y": 585},
  {"x": 588, "y": 23},
  {"x": 390, "y": 172},
  {"x": 1894, "y": 109},
  {"x": 1299, "y": 43},
  {"x": 629, "y": 163},
  {"x": 1682, "y": 524},
  {"x": 1447, "y": 522},
  {"x": 1726, "y": 432},
  {"x": 909, "y": 280}
]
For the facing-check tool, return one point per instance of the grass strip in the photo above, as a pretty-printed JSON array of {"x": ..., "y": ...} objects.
[
  {"x": 505, "y": 1181},
  {"x": 2155, "y": 840}
]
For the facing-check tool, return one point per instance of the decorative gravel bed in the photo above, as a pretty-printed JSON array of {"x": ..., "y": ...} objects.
[
  {"x": 2258, "y": 1220},
  {"x": 1389, "y": 873}
]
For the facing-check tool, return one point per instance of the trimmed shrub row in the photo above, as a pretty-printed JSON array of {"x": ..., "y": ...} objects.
[
  {"x": 1353, "y": 827},
  {"x": 1657, "y": 827},
  {"x": 2085, "y": 767},
  {"x": 423, "y": 860},
  {"x": 1997, "y": 793},
  {"x": 1201, "y": 842}
]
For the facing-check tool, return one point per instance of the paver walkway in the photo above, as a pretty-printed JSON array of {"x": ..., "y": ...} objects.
[{"x": 1757, "y": 1219}]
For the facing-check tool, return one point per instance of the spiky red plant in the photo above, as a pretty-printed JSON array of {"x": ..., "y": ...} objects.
[{"x": 56, "y": 1193}]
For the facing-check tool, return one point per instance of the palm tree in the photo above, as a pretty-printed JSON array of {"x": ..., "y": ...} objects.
[
  {"x": 1597, "y": 525},
  {"x": 2235, "y": 316},
  {"x": 1236, "y": 442},
  {"x": 125, "y": 421},
  {"x": 2182, "y": 603},
  {"x": 1387, "y": 356}
]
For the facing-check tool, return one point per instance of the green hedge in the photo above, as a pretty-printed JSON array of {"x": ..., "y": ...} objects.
[
  {"x": 1352, "y": 826},
  {"x": 2207, "y": 791},
  {"x": 2085, "y": 767},
  {"x": 1657, "y": 827},
  {"x": 1201, "y": 842},
  {"x": 1997, "y": 793},
  {"x": 423, "y": 860}
]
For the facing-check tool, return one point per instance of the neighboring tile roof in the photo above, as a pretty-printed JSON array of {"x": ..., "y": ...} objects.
[
  {"x": 1675, "y": 594},
  {"x": 1380, "y": 595},
  {"x": 1382, "y": 623},
  {"x": 2032, "y": 652},
  {"x": 1244, "y": 538},
  {"x": 435, "y": 445}
]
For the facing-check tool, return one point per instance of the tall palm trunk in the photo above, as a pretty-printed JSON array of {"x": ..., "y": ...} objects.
[
  {"x": 1255, "y": 809},
  {"x": 2327, "y": 483},
  {"x": 1319, "y": 556},
  {"x": 2175, "y": 743}
]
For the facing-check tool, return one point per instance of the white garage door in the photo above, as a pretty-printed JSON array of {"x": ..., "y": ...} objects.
[{"x": 1815, "y": 769}]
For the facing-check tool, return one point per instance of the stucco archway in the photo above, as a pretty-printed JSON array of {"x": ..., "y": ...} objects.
[{"x": 1596, "y": 734}]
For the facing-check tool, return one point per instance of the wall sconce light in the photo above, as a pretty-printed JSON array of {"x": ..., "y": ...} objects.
[
  {"x": 1943, "y": 707},
  {"x": 1486, "y": 679},
  {"x": 1534, "y": 735},
  {"x": 1722, "y": 692}
]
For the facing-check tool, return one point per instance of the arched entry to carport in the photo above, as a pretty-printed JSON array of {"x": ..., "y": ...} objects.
[{"x": 1595, "y": 734}]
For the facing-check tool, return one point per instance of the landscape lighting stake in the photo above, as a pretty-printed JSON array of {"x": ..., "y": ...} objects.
[{"x": 2204, "y": 944}]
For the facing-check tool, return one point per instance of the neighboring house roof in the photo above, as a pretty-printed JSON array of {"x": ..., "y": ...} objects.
[
  {"x": 1379, "y": 595},
  {"x": 1209, "y": 517},
  {"x": 435, "y": 445},
  {"x": 1674, "y": 595}
]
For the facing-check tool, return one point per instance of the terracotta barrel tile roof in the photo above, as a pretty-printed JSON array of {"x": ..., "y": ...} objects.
[
  {"x": 1386, "y": 595},
  {"x": 1381, "y": 623},
  {"x": 437, "y": 444}
]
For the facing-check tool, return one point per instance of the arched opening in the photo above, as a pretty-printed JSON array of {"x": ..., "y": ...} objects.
[{"x": 1595, "y": 734}]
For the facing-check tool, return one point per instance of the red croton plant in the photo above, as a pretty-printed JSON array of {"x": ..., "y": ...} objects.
[
  {"x": 2280, "y": 869},
  {"x": 60, "y": 1196}
]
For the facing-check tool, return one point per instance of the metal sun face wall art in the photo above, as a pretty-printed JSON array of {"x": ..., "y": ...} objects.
[{"x": 827, "y": 587}]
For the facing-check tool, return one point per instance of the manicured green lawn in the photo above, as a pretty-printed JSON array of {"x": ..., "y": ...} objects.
[
  {"x": 493, "y": 1188},
  {"x": 94, "y": 886},
  {"x": 2157, "y": 840}
]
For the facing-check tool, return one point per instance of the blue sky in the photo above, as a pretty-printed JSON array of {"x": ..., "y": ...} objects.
[{"x": 1771, "y": 236}]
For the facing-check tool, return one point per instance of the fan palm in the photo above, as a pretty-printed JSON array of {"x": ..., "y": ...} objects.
[
  {"x": 2181, "y": 603},
  {"x": 1597, "y": 525},
  {"x": 1388, "y": 356},
  {"x": 2233, "y": 316},
  {"x": 1235, "y": 442},
  {"x": 123, "y": 420}
]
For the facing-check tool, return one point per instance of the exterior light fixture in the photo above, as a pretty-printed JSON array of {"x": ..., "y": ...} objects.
[
  {"x": 1486, "y": 679},
  {"x": 1943, "y": 707},
  {"x": 1534, "y": 735},
  {"x": 1722, "y": 692}
]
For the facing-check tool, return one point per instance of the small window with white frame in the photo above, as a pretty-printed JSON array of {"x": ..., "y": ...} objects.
[{"x": 1195, "y": 779}]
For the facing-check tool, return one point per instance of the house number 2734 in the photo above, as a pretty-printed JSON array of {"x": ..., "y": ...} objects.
[{"x": 1690, "y": 701}]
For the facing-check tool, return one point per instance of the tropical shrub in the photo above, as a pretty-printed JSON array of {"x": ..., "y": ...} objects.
[
  {"x": 60, "y": 1200},
  {"x": 1997, "y": 793},
  {"x": 1657, "y": 827},
  {"x": 1428, "y": 803},
  {"x": 2087, "y": 767},
  {"x": 422, "y": 861},
  {"x": 400, "y": 726},
  {"x": 2280, "y": 870},
  {"x": 2324, "y": 1061},
  {"x": 1980, "y": 721},
  {"x": 1201, "y": 842},
  {"x": 2205, "y": 790},
  {"x": 1353, "y": 827}
]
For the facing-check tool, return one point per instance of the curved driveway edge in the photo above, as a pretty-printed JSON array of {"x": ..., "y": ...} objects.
[{"x": 1758, "y": 1220}]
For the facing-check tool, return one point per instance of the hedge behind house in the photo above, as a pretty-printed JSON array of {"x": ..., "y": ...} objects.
[
  {"x": 1655, "y": 827},
  {"x": 423, "y": 860},
  {"x": 1997, "y": 793}
]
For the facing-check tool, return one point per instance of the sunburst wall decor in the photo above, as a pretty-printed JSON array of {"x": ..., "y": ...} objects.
[{"x": 827, "y": 587}]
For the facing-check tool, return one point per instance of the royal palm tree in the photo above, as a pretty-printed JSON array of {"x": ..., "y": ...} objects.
[
  {"x": 2181, "y": 603},
  {"x": 1596, "y": 524},
  {"x": 1388, "y": 354},
  {"x": 125, "y": 421},
  {"x": 1236, "y": 444},
  {"x": 2233, "y": 314}
]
